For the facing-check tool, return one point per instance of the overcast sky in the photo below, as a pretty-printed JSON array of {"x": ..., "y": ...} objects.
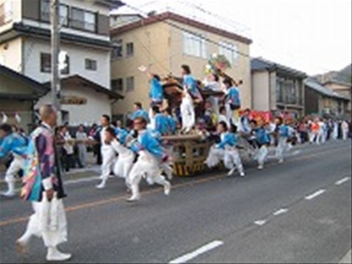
[{"x": 313, "y": 36}]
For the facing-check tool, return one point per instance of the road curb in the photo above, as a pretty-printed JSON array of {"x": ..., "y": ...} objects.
[
  {"x": 76, "y": 175},
  {"x": 346, "y": 259}
]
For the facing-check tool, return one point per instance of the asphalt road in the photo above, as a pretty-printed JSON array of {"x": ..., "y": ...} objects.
[{"x": 296, "y": 212}]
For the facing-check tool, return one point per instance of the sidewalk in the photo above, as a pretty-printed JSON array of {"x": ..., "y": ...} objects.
[
  {"x": 90, "y": 171},
  {"x": 346, "y": 259}
]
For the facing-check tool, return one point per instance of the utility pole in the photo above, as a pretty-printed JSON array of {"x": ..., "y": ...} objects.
[{"x": 55, "y": 49}]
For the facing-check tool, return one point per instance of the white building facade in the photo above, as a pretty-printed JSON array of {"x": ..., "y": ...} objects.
[{"x": 84, "y": 27}]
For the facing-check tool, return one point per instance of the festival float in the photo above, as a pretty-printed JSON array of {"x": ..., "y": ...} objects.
[{"x": 190, "y": 150}]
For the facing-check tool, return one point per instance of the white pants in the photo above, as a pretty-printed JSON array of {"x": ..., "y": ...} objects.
[
  {"x": 123, "y": 166},
  {"x": 188, "y": 114},
  {"x": 52, "y": 235},
  {"x": 344, "y": 134},
  {"x": 231, "y": 159},
  {"x": 149, "y": 169},
  {"x": 82, "y": 154},
  {"x": 109, "y": 156},
  {"x": 335, "y": 134},
  {"x": 215, "y": 156},
  {"x": 314, "y": 137},
  {"x": 262, "y": 155},
  {"x": 281, "y": 148},
  {"x": 15, "y": 166}
]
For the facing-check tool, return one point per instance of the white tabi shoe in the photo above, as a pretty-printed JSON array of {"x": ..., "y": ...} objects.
[
  {"x": 134, "y": 199},
  {"x": 242, "y": 174},
  {"x": 231, "y": 172},
  {"x": 101, "y": 186},
  {"x": 260, "y": 167},
  {"x": 167, "y": 189},
  {"x": 55, "y": 255},
  {"x": 9, "y": 194}
]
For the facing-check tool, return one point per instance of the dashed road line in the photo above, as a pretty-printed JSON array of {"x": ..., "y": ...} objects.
[
  {"x": 260, "y": 222},
  {"x": 315, "y": 195},
  {"x": 206, "y": 248},
  {"x": 340, "y": 182},
  {"x": 280, "y": 212}
]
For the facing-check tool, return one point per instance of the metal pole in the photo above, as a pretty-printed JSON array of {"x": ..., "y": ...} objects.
[{"x": 55, "y": 49}]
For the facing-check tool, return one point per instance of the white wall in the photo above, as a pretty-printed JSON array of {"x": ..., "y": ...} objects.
[
  {"x": 97, "y": 105},
  {"x": 260, "y": 84},
  {"x": 77, "y": 55},
  {"x": 11, "y": 54},
  {"x": 87, "y": 5},
  {"x": 16, "y": 13}
]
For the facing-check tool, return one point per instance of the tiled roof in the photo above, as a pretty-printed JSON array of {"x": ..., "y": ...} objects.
[
  {"x": 315, "y": 85},
  {"x": 39, "y": 89},
  {"x": 258, "y": 64}
]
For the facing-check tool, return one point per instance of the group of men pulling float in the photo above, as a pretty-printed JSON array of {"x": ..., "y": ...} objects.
[{"x": 142, "y": 152}]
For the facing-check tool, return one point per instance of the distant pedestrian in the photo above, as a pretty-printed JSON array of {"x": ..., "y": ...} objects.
[
  {"x": 82, "y": 137},
  {"x": 345, "y": 130}
]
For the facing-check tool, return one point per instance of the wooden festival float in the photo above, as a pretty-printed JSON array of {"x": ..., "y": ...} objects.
[{"x": 191, "y": 150}]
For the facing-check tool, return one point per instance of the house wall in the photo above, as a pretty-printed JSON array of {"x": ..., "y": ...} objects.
[
  {"x": 77, "y": 55},
  {"x": 151, "y": 45},
  {"x": 11, "y": 54},
  {"x": 343, "y": 90},
  {"x": 97, "y": 105},
  {"x": 240, "y": 69},
  {"x": 16, "y": 11},
  {"x": 161, "y": 46},
  {"x": 261, "y": 91},
  {"x": 313, "y": 102}
]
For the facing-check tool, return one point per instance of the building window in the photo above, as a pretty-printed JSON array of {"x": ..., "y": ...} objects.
[
  {"x": 229, "y": 50},
  {"x": 129, "y": 49},
  {"x": 194, "y": 45},
  {"x": 81, "y": 19},
  {"x": 117, "y": 85},
  {"x": 45, "y": 64},
  {"x": 117, "y": 50},
  {"x": 5, "y": 12},
  {"x": 45, "y": 12},
  {"x": 129, "y": 84},
  {"x": 91, "y": 65}
]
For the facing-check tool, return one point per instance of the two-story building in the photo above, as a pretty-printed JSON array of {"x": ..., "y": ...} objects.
[
  {"x": 322, "y": 100},
  {"x": 277, "y": 88},
  {"x": 342, "y": 88},
  {"x": 165, "y": 42},
  {"x": 85, "y": 36}
]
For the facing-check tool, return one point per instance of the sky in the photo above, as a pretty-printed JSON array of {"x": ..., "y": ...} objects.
[{"x": 313, "y": 36}]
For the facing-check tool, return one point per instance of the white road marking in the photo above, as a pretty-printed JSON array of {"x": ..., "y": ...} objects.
[
  {"x": 340, "y": 182},
  {"x": 316, "y": 194},
  {"x": 82, "y": 180},
  {"x": 196, "y": 253},
  {"x": 260, "y": 222},
  {"x": 280, "y": 212}
]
